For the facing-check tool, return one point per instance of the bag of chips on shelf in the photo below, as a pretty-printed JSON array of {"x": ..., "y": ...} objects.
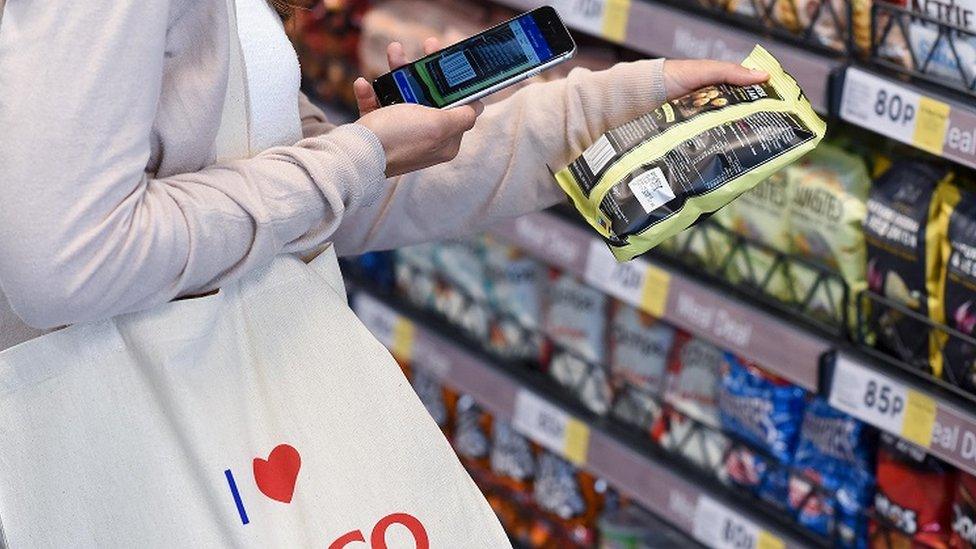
[
  {"x": 827, "y": 210},
  {"x": 693, "y": 377},
  {"x": 703, "y": 445},
  {"x": 937, "y": 48},
  {"x": 515, "y": 286},
  {"x": 639, "y": 348},
  {"x": 836, "y": 454},
  {"x": 959, "y": 285},
  {"x": 761, "y": 215},
  {"x": 512, "y": 460},
  {"x": 471, "y": 427},
  {"x": 760, "y": 408},
  {"x": 964, "y": 514},
  {"x": 431, "y": 394},
  {"x": 652, "y": 178},
  {"x": 706, "y": 245},
  {"x": 460, "y": 295},
  {"x": 414, "y": 274},
  {"x": 574, "y": 497},
  {"x": 575, "y": 318},
  {"x": 827, "y": 21},
  {"x": 903, "y": 231},
  {"x": 914, "y": 496},
  {"x": 765, "y": 478}
]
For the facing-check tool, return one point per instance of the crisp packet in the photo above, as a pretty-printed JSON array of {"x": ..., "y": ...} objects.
[
  {"x": 958, "y": 289},
  {"x": 653, "y": 177},
  {"x": 760, "y": 408},
  {"x": 903, "y": 231},
  {"x": 827, "y": 209},
  {"x": 836, "y": 454}
]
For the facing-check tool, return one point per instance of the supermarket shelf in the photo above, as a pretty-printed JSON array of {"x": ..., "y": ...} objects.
[
  {"x": 930, "y": 118},
  {"x": 657, "y": 29},
  {"x": 710, "y": 313},
  {"x": 704, "y": 513},
  {"x": 877, "y": 392}
]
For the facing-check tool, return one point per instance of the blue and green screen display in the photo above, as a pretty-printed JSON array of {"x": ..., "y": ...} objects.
[{"x": 474, "y": 64}]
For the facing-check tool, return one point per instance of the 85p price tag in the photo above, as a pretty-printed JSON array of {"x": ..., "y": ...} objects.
[
  {"x": 551, "y": 427},
  {"x": 882, "y": 401}
]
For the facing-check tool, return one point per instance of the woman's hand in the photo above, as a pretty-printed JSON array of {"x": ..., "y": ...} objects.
[
  {"x": 687, "y": 75},
  {"x": 413, "y": 136}
]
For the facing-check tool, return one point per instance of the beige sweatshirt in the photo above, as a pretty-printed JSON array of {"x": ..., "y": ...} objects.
[{"x": 113, "y": 201}]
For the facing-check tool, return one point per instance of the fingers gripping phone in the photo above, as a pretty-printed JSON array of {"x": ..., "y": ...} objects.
[{"x": 487, "y": 62}]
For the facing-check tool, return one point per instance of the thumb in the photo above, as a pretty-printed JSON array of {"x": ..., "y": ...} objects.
[
  {"x": 463, "y": 118},
  {"x": 366, "y": 98}
]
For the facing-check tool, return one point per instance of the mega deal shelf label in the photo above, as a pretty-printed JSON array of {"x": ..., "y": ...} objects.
[
  {"x": 895, "y": 111},
  {"x": 551, "y": 427},
  {"x": 883, "y": 401},
  {"x": 606, "y": 18},
  {"x": 722, "y": 528},
  {"x": 636, "y": 282}
]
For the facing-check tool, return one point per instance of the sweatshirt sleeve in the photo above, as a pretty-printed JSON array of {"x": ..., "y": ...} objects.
[
  {"x": 85, "y": 231},
  {"x": 314, "y": 121},
  {"x": 502, "y": 169}
]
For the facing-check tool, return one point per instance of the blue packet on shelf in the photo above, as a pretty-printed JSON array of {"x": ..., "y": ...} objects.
[{"x": 761, "y": 409}]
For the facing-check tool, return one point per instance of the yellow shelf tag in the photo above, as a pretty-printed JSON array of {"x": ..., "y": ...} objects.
[
  {"x": 615, "y": 15},
  {"x": 930, "y": 125},
  {"x": 403, "y": 334},
  {"x": 919, "y": 418},
  {"x": 576, "y": 442},
  {"x": 769, "y": 541},
  {"x": 654, "y": 294}
]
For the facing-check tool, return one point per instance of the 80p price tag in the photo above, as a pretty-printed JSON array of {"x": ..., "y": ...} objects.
[
  {"x": 606, "y": 18},
  {"x": 894, "y": 110},
  {"x": 718, "y": 526},
  {"x": 882, "y": 401},
  {"x": 551, "y": 427},
  {"x": 635, "y": 282}
]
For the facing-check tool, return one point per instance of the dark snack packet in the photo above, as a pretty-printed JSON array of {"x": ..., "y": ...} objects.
[
  {"x": 903, "y": 230},
  {"x": 959, "y": 285}
]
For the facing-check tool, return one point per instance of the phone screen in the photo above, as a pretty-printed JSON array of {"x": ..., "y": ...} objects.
[{"x": 475, "y": 64}]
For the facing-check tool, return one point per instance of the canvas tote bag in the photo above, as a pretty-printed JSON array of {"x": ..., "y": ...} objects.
[{"x": 264, "y": 415}]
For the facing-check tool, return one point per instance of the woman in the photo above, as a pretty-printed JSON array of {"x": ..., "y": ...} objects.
[{"x": 122, "y": 196}]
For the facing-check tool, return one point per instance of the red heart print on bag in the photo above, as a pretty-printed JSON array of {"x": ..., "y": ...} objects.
[{"x": 276, "y": 476}]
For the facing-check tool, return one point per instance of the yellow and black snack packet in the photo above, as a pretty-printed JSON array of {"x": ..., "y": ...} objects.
[
  {"x": 653, "y": 177},
  {"x": 959, "y": 285},
  {"x": 903, "y": 231}
]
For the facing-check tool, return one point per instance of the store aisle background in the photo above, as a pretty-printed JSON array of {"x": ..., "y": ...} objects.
[{"x": 797, "y": 370}]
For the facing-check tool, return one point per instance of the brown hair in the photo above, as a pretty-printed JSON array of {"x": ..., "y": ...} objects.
[{"x": 286, "y": 7}]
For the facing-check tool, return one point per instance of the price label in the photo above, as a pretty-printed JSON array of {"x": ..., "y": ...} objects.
[
  {"x": 635, "y": 282},
  {"x": 403, "y": 338},
  {"x": 718, "y": 526},
  {"x": 551, "y": 427},
  {"x": 883, "y": 402},
  {"x": 895, "y": 111},
  {"x": 606, "y": 18},
  {"x": 379, "y": 319}
]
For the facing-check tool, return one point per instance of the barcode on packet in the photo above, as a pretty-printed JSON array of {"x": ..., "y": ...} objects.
[
  {"x": 599, "y": 154},
  {"x": 651, "y": 189}
]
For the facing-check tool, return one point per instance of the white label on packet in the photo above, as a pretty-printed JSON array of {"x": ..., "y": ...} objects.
[
  {"x": 599, "y": 154},
  {"x": 651, "y": 189}
]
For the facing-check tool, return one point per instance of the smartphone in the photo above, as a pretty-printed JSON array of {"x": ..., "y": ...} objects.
[{"x": 487, "y": 62}]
